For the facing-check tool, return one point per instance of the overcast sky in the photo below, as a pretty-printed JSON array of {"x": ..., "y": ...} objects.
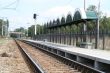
[{"x": 20, "y": 12}]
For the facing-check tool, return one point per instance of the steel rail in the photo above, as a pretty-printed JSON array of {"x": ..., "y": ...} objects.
[{"x": 34, "y": 64}]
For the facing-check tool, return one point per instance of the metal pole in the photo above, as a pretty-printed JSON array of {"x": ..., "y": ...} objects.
[
  {"x": 27, "y": 32},
  {"x": 35, "y": 17},
  {"x": 84, "y": 25},
  {"x": 6, "y": 28},
  {"x": 98, "y": 22},
  {"x": 35, "y": 26},
  {"x": 84, "y": 4},
  {"x": 2, "y": 27}
]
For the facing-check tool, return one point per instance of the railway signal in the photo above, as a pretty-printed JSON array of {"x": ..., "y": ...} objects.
[{"x": 35, "y": 18}]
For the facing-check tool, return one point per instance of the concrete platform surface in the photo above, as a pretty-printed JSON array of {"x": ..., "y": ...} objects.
[{"x": 94, "y": 54}]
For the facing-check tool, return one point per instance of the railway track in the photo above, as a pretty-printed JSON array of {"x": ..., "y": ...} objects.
[{"x": 45, "y": 62}]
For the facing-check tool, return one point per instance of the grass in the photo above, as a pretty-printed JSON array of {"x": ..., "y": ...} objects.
[{"x": 3, "y": 41}]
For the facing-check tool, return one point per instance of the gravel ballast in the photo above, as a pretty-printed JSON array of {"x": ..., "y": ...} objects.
[{"x": 11, "y": 60}]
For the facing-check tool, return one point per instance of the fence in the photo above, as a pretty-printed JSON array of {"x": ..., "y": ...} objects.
[{"x": 76, "y": 38}]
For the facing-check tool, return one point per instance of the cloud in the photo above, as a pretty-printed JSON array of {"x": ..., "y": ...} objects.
[
  {"x": 58, "y": 11},
  {"x": 20, "y": 21},
  {"x": 106, "y": 12}
]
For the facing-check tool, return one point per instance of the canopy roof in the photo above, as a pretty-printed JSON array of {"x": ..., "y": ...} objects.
[
  {"x": 82, "y": 14},
  {"x": 79, "y": 17}
]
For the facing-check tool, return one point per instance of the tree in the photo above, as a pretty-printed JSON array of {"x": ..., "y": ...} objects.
[
  {"x": 1, "y": 26},
  {"x": 105, "y": 23},
  {"x": 92, "y": 8},
  {"x": 4, "y": 25},
  {"x": 91, "y": 24},
  {"x": 21, "y": 29},
  {"x": 31, "y": 31}
]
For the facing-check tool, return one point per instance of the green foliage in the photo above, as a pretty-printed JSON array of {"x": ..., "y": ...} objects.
[
  {"x": 21, "y": 29},
  {"x": 105, "y": 23},
  {"x": 92, "y": 8},
  {"x": 74, "y": 29},
  {"x": 39, "y": 28},
  {"x": 31, "y": 31},
  {"x": 91, "y": 25},
  {"x": 3, "y": 23},
  {"x": 0, "y": 27}
]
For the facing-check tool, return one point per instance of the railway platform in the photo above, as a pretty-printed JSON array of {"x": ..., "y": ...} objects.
[{"x": 98, "y": 59}]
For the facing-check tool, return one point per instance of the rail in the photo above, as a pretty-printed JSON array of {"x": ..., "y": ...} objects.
[
  {"x": 36, "y": 67},
  {"x": 78, "y": 66}
]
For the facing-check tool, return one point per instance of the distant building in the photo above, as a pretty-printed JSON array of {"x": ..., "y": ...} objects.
[{"x": 17, "y": 34}]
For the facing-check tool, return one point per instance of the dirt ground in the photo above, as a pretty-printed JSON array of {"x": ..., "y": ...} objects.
[{"x": 11, "y": 60}]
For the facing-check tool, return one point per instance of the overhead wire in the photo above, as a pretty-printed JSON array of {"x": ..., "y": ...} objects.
[{"x": 9, "y": 5}]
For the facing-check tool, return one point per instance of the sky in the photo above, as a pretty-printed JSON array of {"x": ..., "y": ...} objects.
[{"x": 20, "y": 12}]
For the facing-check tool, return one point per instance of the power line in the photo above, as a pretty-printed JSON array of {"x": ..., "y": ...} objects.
[
  {"x": 9, "y": 5},
  {"x": 69, "y": 2}
]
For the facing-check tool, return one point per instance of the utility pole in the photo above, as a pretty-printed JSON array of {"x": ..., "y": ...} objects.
[
  {"x": 84, "y": 25},
  {"x": 7, "y": 28},
  {"x": 2, "y": 27},
  {"x": 98, "y": 23},
  {"x": 27, "y": 32},
  {"x": 84, "y": 4}
]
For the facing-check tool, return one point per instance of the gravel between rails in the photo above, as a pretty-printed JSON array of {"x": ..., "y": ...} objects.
[
  {"x": 47, "y": 62},
  {"x": 11, "y": 60}
]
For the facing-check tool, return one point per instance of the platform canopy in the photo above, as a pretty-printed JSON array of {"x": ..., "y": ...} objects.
[
  {"x": 80, "y": 16},
  {"x": 84, "y": 15}
]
